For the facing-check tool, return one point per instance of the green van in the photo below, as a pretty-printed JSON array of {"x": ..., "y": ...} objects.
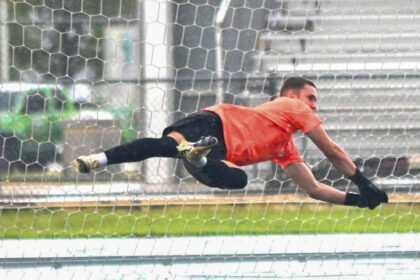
[{"x": 31, "y": 122}]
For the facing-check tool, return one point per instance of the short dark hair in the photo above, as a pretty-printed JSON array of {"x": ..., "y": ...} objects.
[{"x": 296, "y": 83}]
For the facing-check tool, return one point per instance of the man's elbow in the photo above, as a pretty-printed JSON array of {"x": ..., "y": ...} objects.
[{"x": 314, "y": 192}]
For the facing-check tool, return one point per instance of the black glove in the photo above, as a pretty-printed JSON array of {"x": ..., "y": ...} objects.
[
  {"x": 369, "y": 191},
  {"x": 355, "y": 199}
]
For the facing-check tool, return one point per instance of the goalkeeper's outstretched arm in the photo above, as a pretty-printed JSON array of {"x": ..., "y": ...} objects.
[
  {"x": 370, "y": 196},
  {"x": 300, "y": 173},
  {"x": 332, "y": 151}
]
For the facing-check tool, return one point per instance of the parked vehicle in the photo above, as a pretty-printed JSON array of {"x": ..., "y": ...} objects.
[{"x": 31, "y": 124}]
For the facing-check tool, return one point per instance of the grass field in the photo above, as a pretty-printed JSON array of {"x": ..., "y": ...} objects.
[{"x": 202, "y": 220}]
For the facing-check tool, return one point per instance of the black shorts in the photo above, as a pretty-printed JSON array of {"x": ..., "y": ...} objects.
[{"x": 199, "y": 124}]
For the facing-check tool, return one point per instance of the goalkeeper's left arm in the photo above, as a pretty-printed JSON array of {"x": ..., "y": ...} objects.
[
  {"x": 300, "y": 173},
  {"x": 370, "y": 194}
]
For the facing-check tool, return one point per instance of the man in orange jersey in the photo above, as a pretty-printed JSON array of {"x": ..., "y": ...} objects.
[{"x": 217, "y": 141}]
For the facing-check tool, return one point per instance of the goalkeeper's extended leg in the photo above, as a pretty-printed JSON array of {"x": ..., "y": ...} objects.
[{"x": 134, "y": 151}]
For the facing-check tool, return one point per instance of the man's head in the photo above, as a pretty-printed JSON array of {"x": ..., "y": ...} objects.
[{"x": 302, "y": 89}]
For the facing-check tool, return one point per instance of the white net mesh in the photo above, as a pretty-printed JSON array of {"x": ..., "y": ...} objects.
[{"x": 79, "y": 77}]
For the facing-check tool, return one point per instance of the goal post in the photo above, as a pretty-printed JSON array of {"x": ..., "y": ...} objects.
[{"x": 79, "y": 77}]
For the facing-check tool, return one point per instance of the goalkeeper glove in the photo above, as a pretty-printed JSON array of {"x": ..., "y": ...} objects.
[
  {"x": 355, "y": 199},
  {"x": 369, "y": 191}
]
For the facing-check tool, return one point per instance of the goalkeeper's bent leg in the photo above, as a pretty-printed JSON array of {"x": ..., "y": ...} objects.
[
  {"x": 217, "y": 174},
  {"x": 142, "y": 149}
]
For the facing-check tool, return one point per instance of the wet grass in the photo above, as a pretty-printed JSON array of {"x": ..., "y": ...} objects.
[{"x": 204, "y": 220}]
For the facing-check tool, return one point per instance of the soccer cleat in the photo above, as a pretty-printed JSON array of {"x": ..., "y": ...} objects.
[
  {"x": 193, "y": 151},
  {"x": 84, "y": 164}
]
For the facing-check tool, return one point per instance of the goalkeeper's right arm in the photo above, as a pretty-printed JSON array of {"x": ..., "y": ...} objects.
[
  {"x": 332, "y": 151},
  {"x": 370, "y": 195}
]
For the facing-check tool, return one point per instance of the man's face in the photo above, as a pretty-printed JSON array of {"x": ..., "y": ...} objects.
[{"x": 309, "y": 96}]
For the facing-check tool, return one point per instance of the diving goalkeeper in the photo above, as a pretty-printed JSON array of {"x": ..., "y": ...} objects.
[{"x": 217, "y": 141}]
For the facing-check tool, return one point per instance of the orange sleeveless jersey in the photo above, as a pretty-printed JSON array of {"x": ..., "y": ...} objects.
[{"x": 265, "y": 132}]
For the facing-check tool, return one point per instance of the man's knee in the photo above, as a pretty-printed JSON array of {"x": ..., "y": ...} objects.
[
  {"x": 237, "y": 179},
  {"x": 217, "y": 174}
]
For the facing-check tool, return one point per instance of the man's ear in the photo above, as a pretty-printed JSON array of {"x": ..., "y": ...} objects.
[{"x": 291, "y": 93}]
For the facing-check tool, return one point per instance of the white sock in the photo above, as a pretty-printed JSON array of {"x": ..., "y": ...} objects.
[
  {"x": 199, "y": 163},
  {"x": 101, "y": 158}
]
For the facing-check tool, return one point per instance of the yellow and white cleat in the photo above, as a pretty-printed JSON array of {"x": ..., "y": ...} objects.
[
  {"x": 84, "y": 164},
  {"x": 193, "y": 151}
]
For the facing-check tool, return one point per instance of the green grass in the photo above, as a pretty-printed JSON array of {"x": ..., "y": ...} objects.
[{"x": 206, "y": 220}]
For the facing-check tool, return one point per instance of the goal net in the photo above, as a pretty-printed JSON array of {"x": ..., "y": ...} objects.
[{"x": 79, "y": 77}]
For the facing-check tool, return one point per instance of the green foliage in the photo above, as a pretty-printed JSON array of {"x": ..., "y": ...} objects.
[
  {"x": 128, "y": 127},
  {"x": 249, "y": 219},
  {"x": 52, "y": 106},
  {"x": 41, "y": 123}
]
